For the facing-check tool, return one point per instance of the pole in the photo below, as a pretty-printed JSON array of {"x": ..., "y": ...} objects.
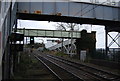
[
  {"x": 26, "y": 40},
  {"x": 62, "y": 45},
  {"x": 106, "y": 41},
  {"x": 24, "y": 35},
  {"x": 71, "y": 40}
]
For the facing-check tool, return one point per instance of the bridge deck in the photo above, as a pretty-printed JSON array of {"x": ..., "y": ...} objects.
[{"x": 77, "y": 12}]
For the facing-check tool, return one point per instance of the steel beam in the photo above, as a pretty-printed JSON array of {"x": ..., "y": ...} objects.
[
  {"x": 84, "y": 13},
  {"x": 106, "y": 41}
]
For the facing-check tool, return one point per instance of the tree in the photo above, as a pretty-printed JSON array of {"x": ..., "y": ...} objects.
[{"x": 68, "y": 26}]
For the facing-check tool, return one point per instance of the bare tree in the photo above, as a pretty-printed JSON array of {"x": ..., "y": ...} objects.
[
  {"x": 68, "y": 26},
  {"x": 60, "y": 26}
]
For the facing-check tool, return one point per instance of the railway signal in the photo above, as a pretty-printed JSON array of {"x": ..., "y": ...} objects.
[{"x": 31, "y": 40}]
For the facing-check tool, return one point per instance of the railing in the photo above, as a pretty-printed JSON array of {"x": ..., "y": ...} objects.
[{"x": 113, "y": 54}]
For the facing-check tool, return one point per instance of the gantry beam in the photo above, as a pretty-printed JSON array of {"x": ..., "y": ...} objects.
[
  {"x": 67, "y": 19},
  {"x": 72, "y": 12}
]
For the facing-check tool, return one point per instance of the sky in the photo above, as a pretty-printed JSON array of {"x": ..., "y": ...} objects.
[{"x": 100, "y": 32}]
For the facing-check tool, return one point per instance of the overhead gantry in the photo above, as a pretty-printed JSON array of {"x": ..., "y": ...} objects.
[{"x": 72, "y": 12}]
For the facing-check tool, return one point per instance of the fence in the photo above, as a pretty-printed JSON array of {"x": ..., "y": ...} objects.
[{"x": 113, "y": 54}]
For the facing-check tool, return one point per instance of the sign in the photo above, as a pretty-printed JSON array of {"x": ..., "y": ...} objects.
[
  {"x": 83, "y": 55},
  {"x": 16, "y": 37},
  {"x": 31, "y": 40}
]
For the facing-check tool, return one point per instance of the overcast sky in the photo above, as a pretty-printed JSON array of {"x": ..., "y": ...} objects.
[{"x": 100, "y": 32}]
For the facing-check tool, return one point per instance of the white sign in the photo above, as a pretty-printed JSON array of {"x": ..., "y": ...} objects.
[{"x": 83, "y": 55}]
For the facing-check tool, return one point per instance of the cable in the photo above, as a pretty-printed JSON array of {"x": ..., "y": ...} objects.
[
  {"x": 89, "y": 10},
  {"x": 93, "y": 8},
  {"x": 81, "y": 10}
]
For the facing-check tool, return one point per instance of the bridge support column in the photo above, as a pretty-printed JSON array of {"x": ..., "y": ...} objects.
[
  {"x": 114, "y": 40},
  {"x": 87, "y": 43}
]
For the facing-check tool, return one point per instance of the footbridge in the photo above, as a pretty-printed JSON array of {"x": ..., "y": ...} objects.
[
  {"x": 69, "y": 11},
  {"x": 68, "y": 47},
  {"x": 49, "y": 33},
  {"x": 87, "y": 42}
]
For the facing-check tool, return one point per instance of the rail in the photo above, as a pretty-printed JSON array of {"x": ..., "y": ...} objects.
[{"x": 96, "y": 72}]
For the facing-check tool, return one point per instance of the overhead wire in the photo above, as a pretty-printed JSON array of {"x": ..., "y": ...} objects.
[
  {"x": 94, "y": 7},
  {"x": 88, "y": 10},
  {"x": 81, "y": 10}
]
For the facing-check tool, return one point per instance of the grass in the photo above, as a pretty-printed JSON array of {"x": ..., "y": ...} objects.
[
  {"x": 28, "y": 66},
  {"x": 61, "y": 54}
]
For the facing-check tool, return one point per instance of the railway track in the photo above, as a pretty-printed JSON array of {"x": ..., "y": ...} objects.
[
  {"x": 83, "y": 76},
  {"x": 101, "y": 75},
  {"x": 61, "y": 73}
]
